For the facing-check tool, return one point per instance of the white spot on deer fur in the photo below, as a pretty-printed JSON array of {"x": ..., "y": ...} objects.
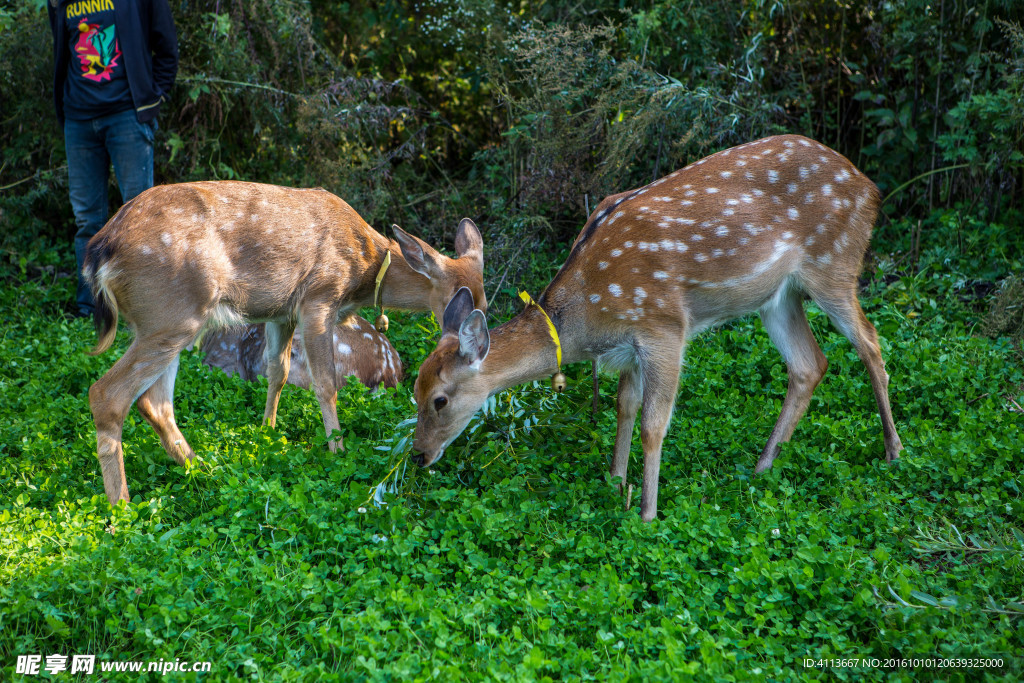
[
  {"x": 746, "y": 198},
  {"x": 792, "y": 213},
  {"x": 787, "y": 143},
  {"x": 837, "y": 246},
  {"x": 660, "y": 302},
  {"x": 836, "y": 204},
  {"x": 725, "y": 174},
  {"x": 367, "y": 335},
  {"x": 805, "y": 143},
  {"x": 732, "y": 202},
  {"x": 594, "y": 298},
  {"x": 681, "y": 246},
  {"x": 615, "y": 289},
  {"x": 743, "y": 241},
  {"x": 808, "y": 198},
  {"x": 842, "y": 176},
  {"x": 844, "y": 239},
  {"x": 635, "y": 270},
  {"x": 809, "y": 241},
  {"x": 667, "y": 244},
  {"x": 689, "y": 193},
  {"x": 628, "y": 245},
  {"x": 344, "y": 349},
  {"x": 823, "y": 159},
  {"x": 820, "y": 228},
  {"x": 826, "y": 189},
  {"x": 791, "y": 188},
  {"x": 722, "y": 231},
  {"x": 846, "y": 203},
  {"x": 741, "y": 163},
  {"x": 696, "y": 237},
  {"x": 639, "y": 295},
  {"x": 616, "y": 252},
  {"x": 711, "y": 190},
  {"x": 748, "y": 175},
  {"x": 804, "y": 172},
  {"x": 146, "y": 250},
  {"x": 177, "y": 209},
  {"x": 700, "y": 258},
  {"x": 731, "y": 252},
  {"x": 686, "y": 202},
  {"x": 776, "y": 199},
  {"x": 717, "y": 252},
  {"x": 728, "y": 212},
  {"x": 165, "y": 237},
  {"x": 660, "y": 275},
  {"x": 617, "y": 216},
  {"x": 602, "y": 265},
  {"x": 773, "y": 175},
  {"x": 825, "y": 259}
]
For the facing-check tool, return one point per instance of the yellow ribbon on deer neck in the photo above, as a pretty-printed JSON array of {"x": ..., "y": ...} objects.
[
  {"x": 380, "y": 277},
  {"x": 551, "y": 326}
]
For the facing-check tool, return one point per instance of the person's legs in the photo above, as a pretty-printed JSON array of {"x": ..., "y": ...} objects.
[
  {"x": 130, "y": 145},
  {"x": 88, "y": 169}
]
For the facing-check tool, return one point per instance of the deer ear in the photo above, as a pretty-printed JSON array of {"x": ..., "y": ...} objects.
[
  {"x": 468, "y": 241},
  {"x": 474, "y": 339},
  {"x": 457, "y": 310},
  {"x": 420, "y": 256}
]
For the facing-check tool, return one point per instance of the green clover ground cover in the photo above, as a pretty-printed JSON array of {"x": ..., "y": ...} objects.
[{"x": 514, "y": 559}]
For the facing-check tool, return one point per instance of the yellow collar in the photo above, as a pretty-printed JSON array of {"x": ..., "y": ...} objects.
[
  {"x": 551, "y": 327},
  {"x": 380, "y": 276}
]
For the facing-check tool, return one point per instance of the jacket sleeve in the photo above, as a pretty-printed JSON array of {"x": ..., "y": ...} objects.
[{"x": 163, "y": 42}]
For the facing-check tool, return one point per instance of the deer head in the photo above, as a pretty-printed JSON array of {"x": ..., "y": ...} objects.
[{"x": 451, "y": 372}]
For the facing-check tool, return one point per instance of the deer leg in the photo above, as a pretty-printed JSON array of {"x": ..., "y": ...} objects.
[
  {"x": 660, "y": 372},
  {"x": 111, "y": 396},
  {"x": 626, "y": 406},
  {"x": 157, "y": 405},
  {"x": 847, "y": 315},
  {"x": 277, "y": 355},
  {"x": 318, "y": 340},
  {"x": 786, "y": 324}
]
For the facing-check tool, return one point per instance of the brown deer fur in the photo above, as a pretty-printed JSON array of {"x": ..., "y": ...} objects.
[
  {"x": 752, "y": 228},
  {"x": 180, "y": 258},
  {"x": 359, "y": 351}
]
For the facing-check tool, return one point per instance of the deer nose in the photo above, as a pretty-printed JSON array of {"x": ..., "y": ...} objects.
[{"x": 419, "y": 458}]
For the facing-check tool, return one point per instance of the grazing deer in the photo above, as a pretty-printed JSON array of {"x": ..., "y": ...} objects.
[
  {"x": 358, "y": 351},
  {"x": 751, "y": 228},
  {"x": 180, "y": 258}
]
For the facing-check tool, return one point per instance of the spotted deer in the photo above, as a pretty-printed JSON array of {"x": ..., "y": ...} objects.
[
  {"x": 752, "y": 228},
  {"x": 178, "y": 259},
  {"x": 358, "y": 351}
]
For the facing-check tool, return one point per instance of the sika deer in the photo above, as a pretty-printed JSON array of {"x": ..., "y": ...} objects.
[
  {"x": 751, "y": 228},
  {"x": 358, "y": 351},
  {"x": 180, "y": 258}
]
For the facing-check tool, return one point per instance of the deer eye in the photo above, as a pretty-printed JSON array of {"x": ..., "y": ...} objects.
[{"x": 440, "y": 402}]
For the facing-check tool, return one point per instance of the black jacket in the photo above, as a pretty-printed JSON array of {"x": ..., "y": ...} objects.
[{"x": 145, "y": 29}]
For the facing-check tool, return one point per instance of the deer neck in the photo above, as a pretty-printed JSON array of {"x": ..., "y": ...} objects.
[
  {"x": 521, "y": 350},
  {"x": 402, "y": 287}
]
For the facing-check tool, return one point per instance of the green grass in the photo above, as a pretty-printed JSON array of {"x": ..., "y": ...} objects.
[{"x": 514, "y": 559}]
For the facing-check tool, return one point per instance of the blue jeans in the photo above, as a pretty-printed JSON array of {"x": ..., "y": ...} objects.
[{"x": 91, "y": 147}]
